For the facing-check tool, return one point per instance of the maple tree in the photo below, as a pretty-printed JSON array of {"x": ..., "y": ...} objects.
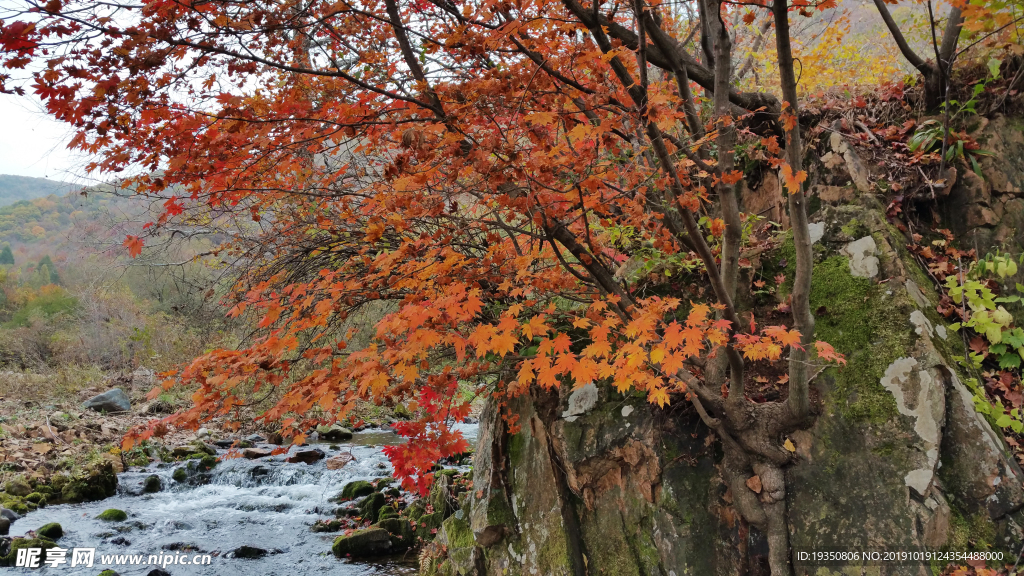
[{"x": 472, "y": 166}]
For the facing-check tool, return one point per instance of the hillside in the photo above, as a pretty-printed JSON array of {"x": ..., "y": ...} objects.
[{"x": 17, "y": 188}]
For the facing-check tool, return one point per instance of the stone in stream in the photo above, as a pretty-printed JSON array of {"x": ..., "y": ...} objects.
[
  {"x": 112, "y": 515},
  {"x": 370, "y": 506},
  {"x": 53, "y": 531},
  {"x": 10, "y": 515},
  {"x": 402, "y": 535},
  {"x": 355, "y": 489},
  {"x": 251, "y": 552},
  {"x": 334, "y": 433},
  {"x": 306, "y": 456},
  {"x": 109, "y": 572},
  {"x": 152, "y": 484},
  {"x": 362, "y": 543},
  {"x": 121, "y": 541},
  {"x": 338, "y": 461},
  {"x": 5, "y": 526},
  {"x": 19, "y": 543},
  {"x": 256, "y": 438},
  {"x": 254, "y": 453},
  {"x": 180, "y": 474},
  {"x": 95, "y": 483},
  {"x": 113, "y": 400},
  {"x": 158, "y": 572}
]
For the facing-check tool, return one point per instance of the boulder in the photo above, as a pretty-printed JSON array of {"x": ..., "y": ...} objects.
[
  {"x": 254, "y": 453},
  {"x": 112, "y": 515},
  {"x": 18, "y": 487},
  {"x": 5, "y": 526},
  {"x": 402, "y": 535},
  {"x": 363, "y": 543},
  {"x": 334, "y": 433},
  {"x": 338, "y": 461},
  {"x": 309, "y": 456},
  {"x": 113, "y": 400},
  {"x": 251, "y": 552},
  {"x": 370, "y": 506},
  {"x": 158, "y": 572},
  {"x": 152, "y": 483},
  {"x": 180, "y": 474},
  {"x": 94, "y": 483},
  {"x": 10, "y": 515},
  {"x": 19, "y": 543},
  {"x": 53, "y": 531}
]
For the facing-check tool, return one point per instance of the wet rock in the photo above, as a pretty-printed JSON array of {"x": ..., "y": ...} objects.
[
  {"x": 112, "y": 515},
  {"x": 206, "y": 463},
  {"x": 36, "y": 498},
  {"x": 109, "y": 572},
  {"x": 121, "y": 541},
  {"x": 18, "y": 487},
  {"x": 95, "y": 483},
  {"x": 158, "y": 572},
  {"x": 339, "y": 461},
  {"x": 306, "y": 456},
  {"x": 10, "y": 515},
  {"x": 362, "y": 543},
  {"x": 334, "y": 433},
  {"x": 274, "y": 438},
  {"x": 19, "y": 543},
  {"x": 152, "y": 484},
  {"x": 443, "y": 493},
  {"x": 254, "y": 453},
  {"x": 180, "y": 474},
  {"x": 386, "y": 512},
  {"x": 370, "y": 506},
  {"x": 402, "y": 535},
  {"x": 113, "y": 400},
  {"x": 256, "y": 438},
  {"x": 327, "y": 526},
  {"x": 251, "y": 552},
  {"x": 53, "y": 531},
  {"x": 202, "y": 433},
  {"x": 5, "y": 526}
]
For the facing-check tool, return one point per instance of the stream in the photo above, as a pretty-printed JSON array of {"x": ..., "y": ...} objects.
[{"x": 265, "y": 503}]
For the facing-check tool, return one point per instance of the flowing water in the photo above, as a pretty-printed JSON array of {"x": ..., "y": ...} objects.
[{"x": 265, "y": 503}]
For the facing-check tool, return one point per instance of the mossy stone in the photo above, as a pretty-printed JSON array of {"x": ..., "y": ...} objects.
[
  {"x": 53, "y": 531},
  {"x": 206, "y": 463},
  {"x": 180, "y": 475},
  {"x": 362, "y": 543},
  {"x": 402, "y": 535},
  {"x": 370, "y": 506},
  {"x": 35, "y": 497},
  {"x": 386, "y": 512},
  {"x": 355, "y": 489},
  {"x": 112, "y": 515},
  {"x": 19, "y": 543},
  {"x": 152, "y": 483}
]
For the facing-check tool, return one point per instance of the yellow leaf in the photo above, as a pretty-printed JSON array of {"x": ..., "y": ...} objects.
[
  {"x": 788, "y": 445},
  {"x": 657, "y": 355}
]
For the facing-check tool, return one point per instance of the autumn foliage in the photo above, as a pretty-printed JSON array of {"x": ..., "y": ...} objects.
[{"x": 474, "y": 170}]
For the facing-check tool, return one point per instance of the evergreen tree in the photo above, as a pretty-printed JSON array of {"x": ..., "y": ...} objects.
[
  {"x": 6, "y": 256},
  {"x": 47, "y": 271}
]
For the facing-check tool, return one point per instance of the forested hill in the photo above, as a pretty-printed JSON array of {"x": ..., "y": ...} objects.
[
  {"x": 16, "y": 188},
  {"x": 66, "y": 224}
]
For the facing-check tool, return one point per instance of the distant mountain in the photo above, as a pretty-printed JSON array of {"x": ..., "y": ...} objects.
[{"x": 16, "y": 188}]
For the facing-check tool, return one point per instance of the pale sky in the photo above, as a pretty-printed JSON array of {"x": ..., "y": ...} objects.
[{"x": 33, "y": 144}]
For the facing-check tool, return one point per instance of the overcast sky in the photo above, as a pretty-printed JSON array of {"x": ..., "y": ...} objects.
[{"x": 33, "y": 144}]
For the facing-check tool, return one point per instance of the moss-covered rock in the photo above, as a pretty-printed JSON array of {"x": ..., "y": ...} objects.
[
  {"x": 428, "y": 524},
  {"x": 112, "y": 515},
  {"x": 152, "y": 484},
  {"x": 402, "y": 535},
  {"x": 19, "y": 543},
  {"x": 180, "y": 474},
  {"x": 370, "y": 506},
  {"x": 94, "y": 483},
  {"x": 36, "y": 498},
  {"x": 355, "y": 489},
  {"x": 386, "y": 512},
  {"x": 53, "y": 531},
  {"x": 206, "y": 463},
  {"x": 363, "y": 543},
  {"x": 18, "y": 486}
]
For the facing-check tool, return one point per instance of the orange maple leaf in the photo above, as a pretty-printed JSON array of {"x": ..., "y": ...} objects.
[
  {"x": 133, "y": 244},
  {"x": 792, "y": 180}
]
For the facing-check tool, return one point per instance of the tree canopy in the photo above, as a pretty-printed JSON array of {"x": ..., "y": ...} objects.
[{"x": 491, "y": 172}]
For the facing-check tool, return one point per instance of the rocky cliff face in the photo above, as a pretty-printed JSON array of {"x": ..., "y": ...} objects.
[{"x": 597, "y": 483}]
